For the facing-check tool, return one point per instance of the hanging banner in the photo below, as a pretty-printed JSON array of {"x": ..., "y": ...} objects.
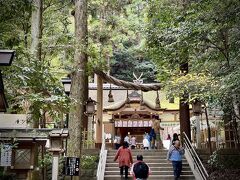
[
  {"x": 146, "y": 123},
  {"x": 133, "y": 123},
  {"x": 140, "y": 123},
  {"x": 125, "y": 124},
  {"x": 130, "y": 124}
]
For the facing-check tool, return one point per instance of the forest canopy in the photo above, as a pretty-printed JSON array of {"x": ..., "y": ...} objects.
[{"x": 154, "y": 37}]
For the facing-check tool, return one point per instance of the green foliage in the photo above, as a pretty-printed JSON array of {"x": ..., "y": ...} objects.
[
  {"x": 197, "y": 86},
  {"x": 46, "y": 161},
  {"x": 14, "y": 22},
  {"x": 214, "y": 161},
  {"x": 115, "y": 31},
  {"x": 125, "y": 64},
  {"x": 33, "y": 86},
  {"x": 220, "y": 160},
  {"x": 6, "y": 176},
  {"x": 89, "y": 162},
  {"x": 203, "y": 33},
  {"x": 125, "y": 34}
]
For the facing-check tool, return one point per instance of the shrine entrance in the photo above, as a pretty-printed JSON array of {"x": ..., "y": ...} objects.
[{"x": 138, "y": 132}]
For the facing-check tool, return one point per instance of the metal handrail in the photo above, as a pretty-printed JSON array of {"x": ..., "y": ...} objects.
[
  {"x": 102, "y": 161},
  {"x": 195, "y": 159}
]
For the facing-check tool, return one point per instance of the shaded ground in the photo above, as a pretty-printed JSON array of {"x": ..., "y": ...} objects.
[{"x": 225, "y": 174}]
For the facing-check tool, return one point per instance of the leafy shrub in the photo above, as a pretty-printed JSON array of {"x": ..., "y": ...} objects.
[
  {"x": 228, "y": 161},
  {"x": 215, "y": 161},
  {"x": 89, "y": 162}
]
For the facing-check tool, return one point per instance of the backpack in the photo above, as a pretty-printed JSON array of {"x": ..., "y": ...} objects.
[{"x": 141, "y": 170}]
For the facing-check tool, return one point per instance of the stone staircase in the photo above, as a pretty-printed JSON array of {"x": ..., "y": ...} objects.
[{"x": 156, "y": 159}]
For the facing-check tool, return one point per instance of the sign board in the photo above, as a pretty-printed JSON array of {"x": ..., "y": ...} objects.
[
  {"x": 13, "y": 120},
  {"x": 6, "y": 155},
  {"x": 71, "y": 166}
]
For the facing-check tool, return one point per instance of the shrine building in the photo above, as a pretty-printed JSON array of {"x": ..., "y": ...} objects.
[{"x": 133, "y": 112}]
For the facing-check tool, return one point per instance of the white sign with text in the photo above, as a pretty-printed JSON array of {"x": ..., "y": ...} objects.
[
  {"x": 13, "y": 121},
  {"x": 6, "y": 155}
]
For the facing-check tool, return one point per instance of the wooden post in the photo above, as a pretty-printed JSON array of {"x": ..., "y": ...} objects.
[{"x": 99, "y": 124}]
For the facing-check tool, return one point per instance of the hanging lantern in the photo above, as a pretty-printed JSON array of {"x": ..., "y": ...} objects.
[
  {"x": 127, "y": 100},
  {"x": 197, "y": 107},
  {"x": 110, "y": 96},
  {"x": 90, "y": 107},
  {"x": 171, "y": 99}
]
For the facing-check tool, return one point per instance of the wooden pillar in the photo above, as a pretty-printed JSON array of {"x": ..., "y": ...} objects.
[
  {"x": 99, "y": 123},
  {"x": 34, "y": 173}
]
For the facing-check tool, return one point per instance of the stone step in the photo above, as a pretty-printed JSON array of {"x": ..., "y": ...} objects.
[
  {"x": 152, "y": 177},
  {"x": 141, "y": 153},
  {"x": 168, "y": 168},
  {"x": 158, "y": 164},
  {"x": 156, "y": 159},
  {"x": 144, "y": 150},
  {"x": 144, "y": 157},
  {"x": 152, "y": 172},
  {"x": 140, "y": 150},
  {"x": 149, "y": 160}
]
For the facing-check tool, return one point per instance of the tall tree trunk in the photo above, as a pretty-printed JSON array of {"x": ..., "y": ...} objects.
[
  {"x": 184, "y": 109},
  {"x": 184, "y": 116},
  {"x": 79, "y": 87},
  {"x": 36, "y": 34},
  {"x": 36, "y": 29},
  {"x": 236, "y": 116}
]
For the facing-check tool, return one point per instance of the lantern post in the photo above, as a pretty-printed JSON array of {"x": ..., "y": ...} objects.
[
  {"x": 56, "y": 147},
  {"x": 197, "y": 110}
]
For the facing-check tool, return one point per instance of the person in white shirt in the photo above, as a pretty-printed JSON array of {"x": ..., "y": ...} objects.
[
  {"x": 117, "y": 142},
  {"x": 127, "y": 139},
  {"x": 133, "y": 142},
  {"x": 146, "y": 143}
]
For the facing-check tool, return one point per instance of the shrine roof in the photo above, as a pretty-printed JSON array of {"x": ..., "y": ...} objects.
[{"x": 120, "y": 95}]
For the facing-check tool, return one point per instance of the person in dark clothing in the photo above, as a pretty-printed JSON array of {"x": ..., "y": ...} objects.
[
  {"x": 152, "y": 135},
  {"x": 168, "y": 137},
  {"x": 140, "y": 170},
  {"x": 175, "y": 138}
]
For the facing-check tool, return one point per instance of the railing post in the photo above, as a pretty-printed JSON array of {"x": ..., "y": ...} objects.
[
  {"x": 102, "y": 161},
  {"x": 195, "y": 163}
]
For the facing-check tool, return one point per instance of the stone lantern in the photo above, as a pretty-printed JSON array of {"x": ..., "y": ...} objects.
[
  {"x": 56, "y": 137},
  {"x": 56, "y": 140}
]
